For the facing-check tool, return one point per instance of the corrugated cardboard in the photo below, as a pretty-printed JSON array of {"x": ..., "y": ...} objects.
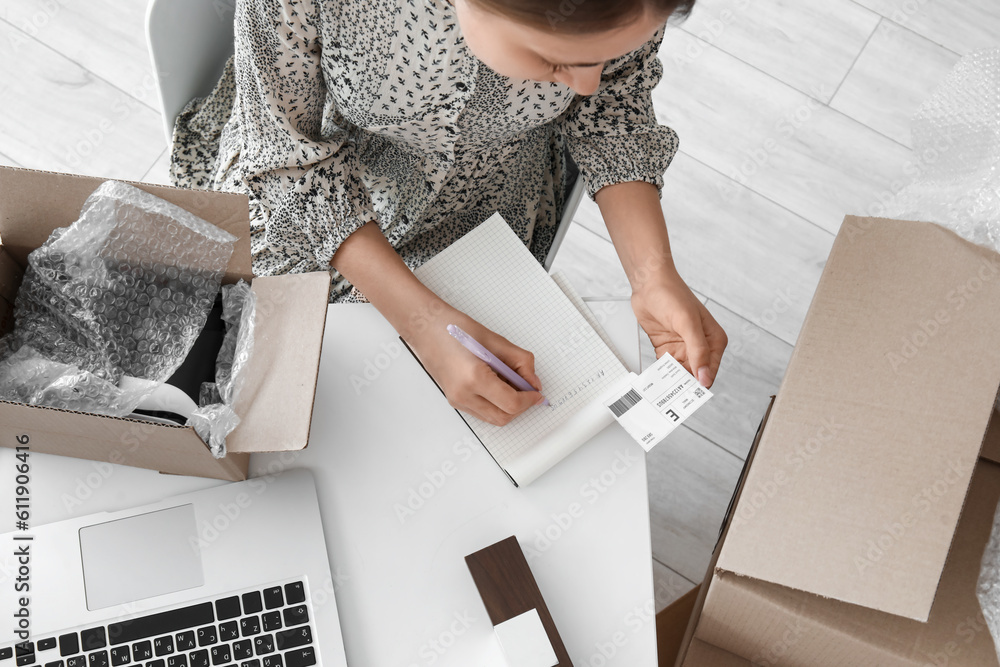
[
  {"x": 775, "y": 625},
  {"x": 671, "y": 627},
  {"x": 292, "y": 311},
  {"x": 275, "y": 404},
  {"x": 699, "y": 604},
  {"x": 701, "y": 654},
  {"x": 33, "y": 203},
  {"x": 862, "y": 422},
  {"x": 841, "y": 532},
  {"x": 991, "y": 441}
]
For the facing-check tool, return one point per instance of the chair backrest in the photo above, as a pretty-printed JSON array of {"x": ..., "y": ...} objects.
[
  {"x": 572, "y": 198},
  {"x": 189, "y": 43}
]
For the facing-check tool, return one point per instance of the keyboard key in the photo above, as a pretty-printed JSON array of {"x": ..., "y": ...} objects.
[
  {"x": 46, "y": 644},
  {"x": 56, "y": 663},
  {"x": 156, "y": 663},
  {"x": 300, "y": 657},
  {"x": 98, "y": 659},
  {"x": 271, "y": 621},
  {"x": 250, "y": 626},
  {"x": 93, "y": 638},
  {"x": 273, "y": 598},
  {"x": 207, "y": 635},
  {"x": 177, "y": 660},
  {"x": 163, "y": 645},
  {"x": 243, "y": 649},
  {"x": 221, "y": 654},
  {"x": 273, "y": 660},
  {"x": 185, "y": 640},
  {"x": 24, "y": 648},
  {"x": 120, "y": 655},
  {"x": 144, "y": 627},
  {"x": 142, "y": 651},
  {"x": 227, "y": 608},
  {"x": 69, "y": 644},
  {"x": 252, "y": 603},
  {"x": 199, "y": 658},
  {"x": 295, "y": 593},
  {"x": 250, "y": 663},
  {"x": 24, "y": 660},
  {"x": 293, "y": 638},
  {"x": 296, "y": 615},
  {"x": 229, "y": 630},
  {"x": 76, "y": 661},
  {"x": 6, "y": 653},
  {"x": 263, "y": 644}
]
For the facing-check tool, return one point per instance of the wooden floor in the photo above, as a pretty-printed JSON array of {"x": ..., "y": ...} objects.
[{"x": 791, "y": 113}]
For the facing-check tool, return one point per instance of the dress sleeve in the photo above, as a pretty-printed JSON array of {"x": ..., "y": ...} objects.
[
  {"x": 613, "y": 135},
  {"x": 302, "y": 177}
]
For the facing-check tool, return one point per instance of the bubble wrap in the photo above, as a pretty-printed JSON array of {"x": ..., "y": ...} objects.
[
  {"x": 121, "y": 293},
  {"x": 988, "y": 587},
  {"x": 216, "y": 419},
  {"x": 956, "y": 143},
  {"x": 956, "y": 140}
]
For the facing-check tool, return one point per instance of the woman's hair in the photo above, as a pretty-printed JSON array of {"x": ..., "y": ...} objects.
[{"x": 583, "y": 16}]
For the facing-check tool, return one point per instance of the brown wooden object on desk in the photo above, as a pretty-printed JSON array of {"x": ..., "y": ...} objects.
[{"x": 508, "y": 589}]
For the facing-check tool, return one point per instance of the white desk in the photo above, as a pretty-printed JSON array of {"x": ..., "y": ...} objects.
[{"x": 406, "y": 492}]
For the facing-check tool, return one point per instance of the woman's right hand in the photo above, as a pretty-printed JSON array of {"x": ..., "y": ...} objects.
[
  {"x": 469, "y": 384},
  {"x": 421, "y": 318}
]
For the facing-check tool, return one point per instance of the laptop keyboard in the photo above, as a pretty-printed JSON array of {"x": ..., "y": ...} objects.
[{"x": 262, "y": 627}]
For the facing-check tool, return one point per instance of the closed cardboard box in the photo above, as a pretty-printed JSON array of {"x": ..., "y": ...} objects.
[{"x": 848, "y": 543}]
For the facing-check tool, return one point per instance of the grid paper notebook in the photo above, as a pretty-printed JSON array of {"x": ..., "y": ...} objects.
[{"x": 491, "y": 276}]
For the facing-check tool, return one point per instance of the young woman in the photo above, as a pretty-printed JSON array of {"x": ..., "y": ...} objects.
[{"x": 371, "y": 134}]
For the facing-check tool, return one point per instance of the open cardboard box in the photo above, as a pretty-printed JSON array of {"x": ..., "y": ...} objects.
[
  {"x": 275, "y": 404},
  {"x": 847, "y": 543}
]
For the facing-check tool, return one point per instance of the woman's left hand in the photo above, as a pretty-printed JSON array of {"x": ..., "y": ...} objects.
[{"x": 679, "y": 324}]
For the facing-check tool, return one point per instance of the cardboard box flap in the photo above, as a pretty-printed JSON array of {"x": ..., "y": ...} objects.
[
  {"x": 991, "y": 441},
  {"x": 863, "y": 467},
  {"x": 671, "y": 626},
  {"x": 701, "y": 654},
  {"x": 275, "y": 407},
  {"x": 776, "y": 625},
  {"x": 27, "y": 219}
]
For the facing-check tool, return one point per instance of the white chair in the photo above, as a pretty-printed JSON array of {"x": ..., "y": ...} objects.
[
  {"x": 189, "y": 43},
  {"x": 574, "y": 193}
]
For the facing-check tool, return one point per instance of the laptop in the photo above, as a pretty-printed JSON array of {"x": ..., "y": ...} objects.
[{"x": 236, "y": 574}]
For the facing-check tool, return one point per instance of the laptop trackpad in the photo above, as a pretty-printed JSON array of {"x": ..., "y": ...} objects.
[{"x": 140, "y": 556}]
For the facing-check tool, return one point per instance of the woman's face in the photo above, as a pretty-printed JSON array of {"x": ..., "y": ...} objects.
[{"x": 521, "y": 51}]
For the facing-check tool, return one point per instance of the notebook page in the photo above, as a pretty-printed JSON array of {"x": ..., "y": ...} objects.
[{"x": 490, "y": 275}]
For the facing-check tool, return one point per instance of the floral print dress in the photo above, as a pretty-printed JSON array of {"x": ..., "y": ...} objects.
[{"x": 334, "y": 113}]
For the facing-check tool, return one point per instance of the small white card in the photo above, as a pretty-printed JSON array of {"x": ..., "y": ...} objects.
[
  {"x": 651, "y": 405},
  {"x": 525, "y": 642}
]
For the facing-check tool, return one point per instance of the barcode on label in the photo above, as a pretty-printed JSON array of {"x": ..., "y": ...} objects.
[{"x": 622, "y": 405}]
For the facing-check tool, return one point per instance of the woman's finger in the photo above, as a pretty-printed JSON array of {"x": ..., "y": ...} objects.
[
  {"x": 483, "y": 409},
  {"x": 519, "y": 359},
  {"x": 696, "y": 345},
  {"x": 511, "y": 401},
  {"x": 478, "y": 407},
  {"x": 717, "y": 342}
]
